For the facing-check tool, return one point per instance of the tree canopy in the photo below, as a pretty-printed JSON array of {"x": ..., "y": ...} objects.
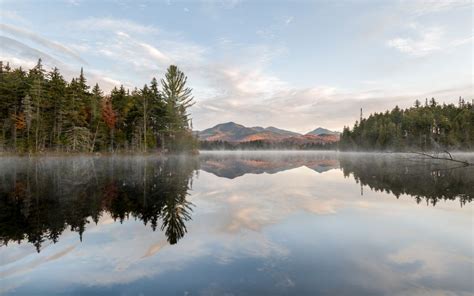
[
  {"x": 41, "y": 111},
  {"x": 422, "y": 127}
]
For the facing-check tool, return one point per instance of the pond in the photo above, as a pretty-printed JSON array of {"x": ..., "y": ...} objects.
[{"x": 236, "y": 223}]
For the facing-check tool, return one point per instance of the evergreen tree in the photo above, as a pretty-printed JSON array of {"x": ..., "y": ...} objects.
[
  {"x": 39, "y": 111},
  {"x": 178, "y": 99},
  {"x": 432, "y": 127}
]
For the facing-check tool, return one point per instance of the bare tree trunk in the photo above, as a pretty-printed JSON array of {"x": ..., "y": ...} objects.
[
  {"x": 37, "y": 126},
  {"x": 111, "y": 140},
  {"x": 162, "y": 142},
  {"x": 144, "y": 125},
  {"x": 14, "y": 134},
  {"x": 95, "y": 135},
  {"x": 450, "y": 158}
]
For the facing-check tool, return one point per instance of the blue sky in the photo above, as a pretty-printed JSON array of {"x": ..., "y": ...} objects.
[{"x": 291, "y": 64}]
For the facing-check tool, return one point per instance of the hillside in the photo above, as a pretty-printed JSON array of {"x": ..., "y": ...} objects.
[
  {"x": 322, "y": 131},
  {"x": 233, "y": 132},
  {"x": 232, "y": 135}
]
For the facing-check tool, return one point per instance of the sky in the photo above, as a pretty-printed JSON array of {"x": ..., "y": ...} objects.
[{"x": 295, "y": 65}]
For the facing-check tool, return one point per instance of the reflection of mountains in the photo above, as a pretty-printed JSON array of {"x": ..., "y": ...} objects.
[
  {"x": 39, "y": 199},
  {"x": 428, "y": 180},
  {"x": 235, "y": 165},
  {"x": 424, "y": 179}
]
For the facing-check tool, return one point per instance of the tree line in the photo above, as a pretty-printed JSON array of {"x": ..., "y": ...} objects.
[
  {"x": 431, "y": 126},
  {"x": 266, "y": 145},
  {"x": 41, "y": 111}
]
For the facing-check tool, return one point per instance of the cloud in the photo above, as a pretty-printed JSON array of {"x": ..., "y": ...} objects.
[
  {"x": 232, "y": 81},
  {"x": 139, "y": 56},
  {"x": 154, "y": 52},
  {"x": 111, "y": 24},
  {"x": 422, "y": 7},
  {"x": 55, "y": 46},
  {"x": 462, "y": 41},
  {"x": 22, "y": 53},
  {"x": 302, "y": 110},
  {"x": 74, "y": 2},
  {"x": 12, "y": 16},
  {"x": 428, "y": 41}
]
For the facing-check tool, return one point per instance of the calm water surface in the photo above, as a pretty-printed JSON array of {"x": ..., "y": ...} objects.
[{"x": 267, "y": 223}]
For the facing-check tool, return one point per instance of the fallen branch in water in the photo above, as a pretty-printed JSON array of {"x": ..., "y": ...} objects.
[{"x": 465, "y": 162}]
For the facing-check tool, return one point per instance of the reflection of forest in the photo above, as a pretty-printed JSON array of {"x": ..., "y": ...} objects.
[
  {"x": 40, "y": 198},
  {"x": 424, "y": 179},
  {"x": 236, "y": 165}
]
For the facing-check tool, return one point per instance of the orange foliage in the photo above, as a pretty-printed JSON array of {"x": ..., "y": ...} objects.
[
  {"x": 20, "y": 122},
  {"x": 108, "y": 114}
]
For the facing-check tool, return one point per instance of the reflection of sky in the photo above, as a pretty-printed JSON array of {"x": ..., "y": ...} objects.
[{"x": 293, "y": 232}]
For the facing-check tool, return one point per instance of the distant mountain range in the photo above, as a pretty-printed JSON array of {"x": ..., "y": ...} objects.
[{"x": 237, "y": 133}]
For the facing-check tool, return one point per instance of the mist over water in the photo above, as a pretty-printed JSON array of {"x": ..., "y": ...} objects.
[{"x": 241, "y": 223}]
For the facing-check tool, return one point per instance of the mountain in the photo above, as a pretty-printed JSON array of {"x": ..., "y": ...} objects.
[
  {"x": 321, "y": 131},
  {"x": 233, "y": 132},
  {"x": 230, "y": 131},
  {"x": 237, "y": 133},
  {"x": 282, "y": 132}
]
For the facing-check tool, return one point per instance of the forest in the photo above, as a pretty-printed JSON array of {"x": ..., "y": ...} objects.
[
  {"x": 266, "y": 145},
  {"x": 427, "y": 127},
  {"x": 40, "y": 111}
]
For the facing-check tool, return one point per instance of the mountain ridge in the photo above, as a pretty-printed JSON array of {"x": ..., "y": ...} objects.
[{"x": 234, "y": 132}]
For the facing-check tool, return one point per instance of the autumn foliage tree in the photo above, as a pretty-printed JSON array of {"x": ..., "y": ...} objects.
[
  {"x": 41, "y": 111},
  {"x": 108, "y": 115}
]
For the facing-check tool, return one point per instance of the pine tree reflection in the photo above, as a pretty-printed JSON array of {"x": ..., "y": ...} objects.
[
  {"x": 41, "y": 198},
  {"x": 427, "y": 180}
]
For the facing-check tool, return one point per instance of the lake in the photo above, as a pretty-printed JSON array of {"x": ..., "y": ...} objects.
[{"x": 230, "y": 223}]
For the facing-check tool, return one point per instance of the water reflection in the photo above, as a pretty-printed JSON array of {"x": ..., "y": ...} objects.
[
  {"x": 41, "y": 198},
  {"x": 262, "y": 224},
  {"x": 232, "y": 165},
  {"x": 424, "y": 179}
]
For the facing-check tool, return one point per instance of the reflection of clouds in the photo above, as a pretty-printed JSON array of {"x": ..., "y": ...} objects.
[
  {"x": 155, "y": 248},
  {"x": 242, "y": 218},
  {"x": 253, "y": 202},
  {"x": 34, "y": 263},
  {"x": 413, "y": 267},
  {"x": 430, "y": 260},
  {"x": 247, "y": 244}
]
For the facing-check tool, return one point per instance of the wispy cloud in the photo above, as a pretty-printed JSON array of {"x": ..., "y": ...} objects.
[
  {"x": 74, "y": 2},
  {"x": 304, "y": 109},
  {"x": 56, "y": 46},
  {"x": 421, "y": 7},
  {"x": 11, "y": 48},
  {"x": 428, "y": 41},
  {"x": 111, "y": 24},
  {"x": 11, "y": 15}
]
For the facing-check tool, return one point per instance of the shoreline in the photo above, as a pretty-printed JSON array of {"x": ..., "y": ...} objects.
[{"x": 198, "y": 152}]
